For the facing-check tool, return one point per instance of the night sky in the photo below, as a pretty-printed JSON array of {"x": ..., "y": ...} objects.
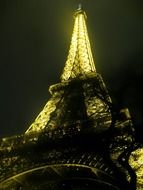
[{"x": 34, "y": 42}]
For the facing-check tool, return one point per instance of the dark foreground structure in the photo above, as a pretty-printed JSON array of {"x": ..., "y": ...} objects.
[{"x": 80, "y": 140}]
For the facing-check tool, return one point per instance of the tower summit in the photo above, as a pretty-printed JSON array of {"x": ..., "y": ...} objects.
[
  {"x": 79, "y": 140},
  {"x": 80, "y": 60}
]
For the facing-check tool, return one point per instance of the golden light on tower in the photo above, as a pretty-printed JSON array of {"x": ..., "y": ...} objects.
[
  {"x": 136, "y": 162},
  {"x": 79, "y": 63},
  {"x": 80, "y": 60},
  {"x": 80, "y": 135}
]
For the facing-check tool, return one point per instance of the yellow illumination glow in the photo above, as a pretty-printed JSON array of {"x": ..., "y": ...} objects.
[
  {"x": 136, "y": 162},
  {"x": 80, "y": 60},
  {"x": 44, "y": 116}
]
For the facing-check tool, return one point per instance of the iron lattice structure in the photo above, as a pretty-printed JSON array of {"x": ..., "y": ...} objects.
[{"x": 80, "y": 140}]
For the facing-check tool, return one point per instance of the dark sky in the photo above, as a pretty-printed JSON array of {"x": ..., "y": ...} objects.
[{"x": 34, "y": 42}]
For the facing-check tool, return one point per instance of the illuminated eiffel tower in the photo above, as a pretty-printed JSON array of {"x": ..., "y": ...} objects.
[{"x": 80, "y": 140}]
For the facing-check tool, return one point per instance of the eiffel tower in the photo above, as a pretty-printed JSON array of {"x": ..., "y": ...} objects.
[{"x": 80, "y": 140}]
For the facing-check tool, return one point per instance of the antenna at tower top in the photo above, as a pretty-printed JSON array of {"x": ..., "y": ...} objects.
[{"x": 79, "y": 6}]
